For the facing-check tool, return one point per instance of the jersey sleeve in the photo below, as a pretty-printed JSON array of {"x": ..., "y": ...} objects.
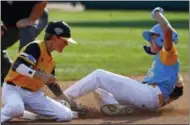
[
  {"x": 169, "y": 57},
  {"x": 28, "y": 57},
  {"x": 31, "y": 53}
]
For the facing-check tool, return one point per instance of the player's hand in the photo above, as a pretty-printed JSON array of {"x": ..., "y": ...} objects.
[
  {"x": 155, "y": 10},
  {"x": 23, "y": 23}
]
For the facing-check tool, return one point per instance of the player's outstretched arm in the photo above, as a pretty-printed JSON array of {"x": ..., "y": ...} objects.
[{"x": 167, "y": 29}]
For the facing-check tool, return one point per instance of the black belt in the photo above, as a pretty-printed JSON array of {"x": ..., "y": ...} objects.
[{"x": 10, "y": 83}]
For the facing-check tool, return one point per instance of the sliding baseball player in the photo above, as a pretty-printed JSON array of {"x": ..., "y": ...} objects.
[{"x": 119, "y": 94}]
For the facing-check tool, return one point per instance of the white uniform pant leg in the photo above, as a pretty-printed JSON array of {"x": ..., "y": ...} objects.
[
  {"x": 40, "y": 104},
  {"x": 105, "y": 97},
  {"x": 123, "y": 89},
  {"x": 13, "y": 103}
]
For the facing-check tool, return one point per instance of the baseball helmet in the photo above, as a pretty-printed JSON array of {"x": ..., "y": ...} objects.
[
  {"x": 160, "y": 39},
  {"x": 60, "y": 28}
]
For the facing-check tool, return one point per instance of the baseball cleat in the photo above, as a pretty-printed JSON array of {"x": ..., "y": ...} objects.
[
  {"x": 117, "y": 109},
  {"x": 32, "y": 116}
]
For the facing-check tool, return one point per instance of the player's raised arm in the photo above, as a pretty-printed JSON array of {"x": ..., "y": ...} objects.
[{"x": 167, "y": 29}]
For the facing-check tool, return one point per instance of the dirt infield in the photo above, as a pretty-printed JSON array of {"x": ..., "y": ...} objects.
[{"x": 174, "y": 113}]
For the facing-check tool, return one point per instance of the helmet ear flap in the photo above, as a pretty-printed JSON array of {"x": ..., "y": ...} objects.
[
  {"x": 159, "y": 41},
  {"x": 148, "y": 50}
]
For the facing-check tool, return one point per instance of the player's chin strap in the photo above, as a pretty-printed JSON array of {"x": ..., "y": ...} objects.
[{"x": 148, "y": 50}]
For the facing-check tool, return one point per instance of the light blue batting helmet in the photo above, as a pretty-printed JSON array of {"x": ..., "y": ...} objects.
[{"x": 159, "y": 40}]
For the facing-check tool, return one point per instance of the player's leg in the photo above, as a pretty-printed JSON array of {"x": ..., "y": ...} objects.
[
  {"x": 7, "y": 40},
  {"x": 105, "y": 97},
  {"x": 110, "y": 106},
  {"x": 13, "y": 103},
  {"x": 29, "y": 33},
  {"x": 123, "y": 88},
  {"x": 28, "y": 115},
  {"x": 42, "y": 22},
  {"x": 43, "y": 105},
  {"x": 6, "y": 63}
]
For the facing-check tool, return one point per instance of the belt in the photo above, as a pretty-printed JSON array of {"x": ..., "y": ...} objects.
[
  {"x": 160, "y": 96},
  {"x": 10, "y": 83}
]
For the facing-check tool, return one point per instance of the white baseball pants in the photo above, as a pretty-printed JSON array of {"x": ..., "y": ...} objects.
[
  {"x": 16, "y": 100},
  {"x": 113, "y": 89}
]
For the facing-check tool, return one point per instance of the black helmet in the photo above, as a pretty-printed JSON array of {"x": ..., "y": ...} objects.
[{"x": 60, "y": 28}]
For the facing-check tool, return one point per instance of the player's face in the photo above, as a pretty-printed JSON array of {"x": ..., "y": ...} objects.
[
  {"x": 60, "y": 44},
  {"x": 154, "y": 47}
]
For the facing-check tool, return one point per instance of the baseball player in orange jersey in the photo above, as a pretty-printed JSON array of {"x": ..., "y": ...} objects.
[
  {"x": 33, "y": 68},
  {"x": 118, "y": 94}
]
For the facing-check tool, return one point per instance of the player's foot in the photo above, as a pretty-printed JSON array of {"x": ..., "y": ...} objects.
[
  {"x": 32, "y": 116},
  {"x": 117, "y": 109},
  {"x": 29, "y": 115}
]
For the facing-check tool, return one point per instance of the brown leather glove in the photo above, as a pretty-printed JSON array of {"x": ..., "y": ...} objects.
[{"x": 177, "y": 92}]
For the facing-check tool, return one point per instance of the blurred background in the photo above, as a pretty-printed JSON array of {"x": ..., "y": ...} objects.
[
  {"x": 110, "y": 35},
  {"x": 127, "y": 5}
]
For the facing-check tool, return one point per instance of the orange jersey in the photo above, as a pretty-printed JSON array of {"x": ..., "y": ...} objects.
[{"x": 44, "y": 63}]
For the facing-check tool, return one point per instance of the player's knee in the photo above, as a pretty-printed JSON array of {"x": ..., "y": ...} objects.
[
  {"x": 65, "y": 115},
  {"x": 98, "y": 71},
  {"x": 45, "y": 17},
  {"x": 16, "y": 109}
]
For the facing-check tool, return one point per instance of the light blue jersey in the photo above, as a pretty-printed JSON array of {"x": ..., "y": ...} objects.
[{"x": 164, "y": 71}]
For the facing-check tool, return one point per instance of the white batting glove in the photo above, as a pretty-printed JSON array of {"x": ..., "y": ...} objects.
[{"x": 157, "y": 9}]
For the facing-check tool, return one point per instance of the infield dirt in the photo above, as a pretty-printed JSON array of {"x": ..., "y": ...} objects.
[{"x": 175, "y": 113}]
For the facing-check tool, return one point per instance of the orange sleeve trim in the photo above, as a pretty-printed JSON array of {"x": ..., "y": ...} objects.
[{"x": 169, "y": 57}]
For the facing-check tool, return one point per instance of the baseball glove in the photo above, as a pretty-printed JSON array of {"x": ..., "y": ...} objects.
[
  {"x": 65, "y": 103},
  {"x": 177, "y": 92}
]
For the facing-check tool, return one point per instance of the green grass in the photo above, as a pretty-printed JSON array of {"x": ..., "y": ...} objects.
[{"x": 111, "y": 40}]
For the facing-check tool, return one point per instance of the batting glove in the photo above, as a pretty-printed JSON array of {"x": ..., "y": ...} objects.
[{"x": 157, "y": 9}]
